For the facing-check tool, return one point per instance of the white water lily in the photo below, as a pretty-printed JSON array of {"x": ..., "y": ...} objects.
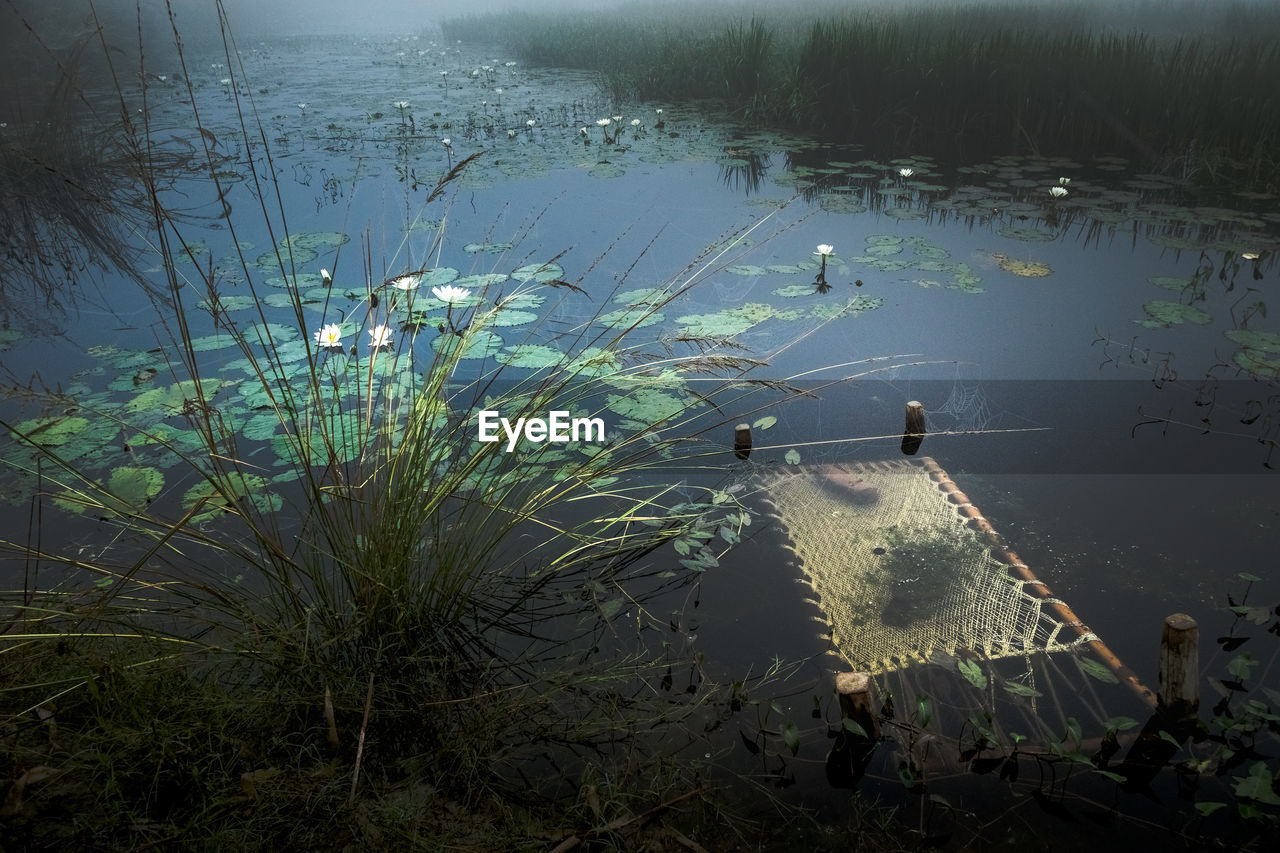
[
  {"x": 617, "y": 118},
  {"x": 402, "y": 105},
  {"x": 406, "y": 282},
  {"x": 446, "y": 142},
  {"x": 635, "y": 122},
  {"x": 602, "y": 122},
  {"x": 658, "y": 111},
  {"x": 510, "y": 134},
  {"x": 824, "y": 250},
  {"x": 582, "y": 130},
  {"x": 906, "y": 172},
  {"x": 509, "y": 64},
  {"x": 379, "y": 336},
  {"x": 1250, "y": 256},
  {"x": 498, "y": 91},
  {"x": 325, "y": 277},
  {"x": 300, "y": 106},
  {"x": 450, "y": 294},
  {"x": 329, "y": 336},
  {"x": 226, "y": 81},
  {"x": 530, "y": 123},
  {"x": 1064, "y": 181},
  {"x": 1057, "y": 192}
]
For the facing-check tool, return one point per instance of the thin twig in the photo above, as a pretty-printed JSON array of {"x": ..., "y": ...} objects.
[{"x": 364, "y": 725}]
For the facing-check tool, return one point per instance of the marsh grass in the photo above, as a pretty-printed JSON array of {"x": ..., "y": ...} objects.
[{"x": 962, "y": 82}]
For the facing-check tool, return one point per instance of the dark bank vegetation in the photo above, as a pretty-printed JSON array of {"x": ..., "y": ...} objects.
[{"x": 1191, "y": 88}]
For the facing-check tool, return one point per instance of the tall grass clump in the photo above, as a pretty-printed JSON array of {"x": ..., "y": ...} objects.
[
  {"x": 973, "y": 81},
  {"x": 391, "y": 617}
]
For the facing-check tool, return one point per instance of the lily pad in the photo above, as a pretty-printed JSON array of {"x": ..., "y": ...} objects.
[
  {"x": 136, "y": 485},
  {"x": 239, "y": 488},
  {"x": 646, "y": 405},
  {"x": 1258, "y": 364},
  {"x": 637, "y": 317},
  {"x": 533, "y": 356},
  {"x": 1163, "y": 314},
  {"x": 793, "y": 290},
  {"x": 1027, "y": 235},
  {"x": 482, "y": 344},
  {"x": 1019, "y": 267},
  {"x": 1256, "y": 339},
  {"x": 727, "y": 323},
  {"x": 172, "y": 399},
  {"x": 52, "y": 431},
  {"x": 538, "y": 272},
  {"x": 486, "y": 248}
]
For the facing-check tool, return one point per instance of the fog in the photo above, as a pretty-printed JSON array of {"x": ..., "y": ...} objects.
[{"x": 40, "y": 35}]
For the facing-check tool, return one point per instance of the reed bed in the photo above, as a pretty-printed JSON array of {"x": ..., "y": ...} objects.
[{"x": 968, "y": 81}]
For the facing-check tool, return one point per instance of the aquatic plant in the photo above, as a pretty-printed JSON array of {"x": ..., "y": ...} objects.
[{"x": 894, "y": 76}]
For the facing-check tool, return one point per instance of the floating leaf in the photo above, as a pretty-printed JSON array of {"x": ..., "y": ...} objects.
[
  {"x": 647, "y": 405},
  {"x": 1255, "y": 339},
  {"x": 791, "y": 736},
  {"x": 973, "y": 674},
  {"x": 52, "y": 431},
  {"x": 1164, "y": 314},
  {"x": 627, "y": 318},
  {"x": 538, "y": 272},
  {"x": 236, "y": 489},
  {"x": 1027, "y": 235},
  {"x": 172, "y": 399},
  {"x": 486, "y": 248},
  {"x": 1258, "y": 785},
  {"x": 746, "y": 269},
  {"x": 793, "y": 290},
  {"x": 792, "y": 457},
  {"x": 1096, "y": 670},
  {"x": 534, "y": 356},
  {"x": 882, "y": 249},
  {"x": 765, "y": 422},
  {"x": 482, "y": 344},
  {"x": 135, "y": 485},
  {"x": 506, "y": 317},
  {"x": 1021, "y": 689},
  {"x": 1120, "y": 724},
  {"x": 727, "y": 323},
  {"x": 1016, "y": 266},
  {"x": 1257, "y": 364}
]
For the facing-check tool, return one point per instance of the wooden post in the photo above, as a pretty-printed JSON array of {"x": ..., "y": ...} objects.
[
  {"x": 1177, "y": 704},
  {"x": 847, "y": 761},
  {"x": 742, "y": 441},
  {"x": 1179, "y": 683},
  {"x": 913, "y": 434}
]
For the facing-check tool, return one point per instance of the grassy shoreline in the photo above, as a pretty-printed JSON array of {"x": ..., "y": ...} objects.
[{"x": 953, "y": 81}]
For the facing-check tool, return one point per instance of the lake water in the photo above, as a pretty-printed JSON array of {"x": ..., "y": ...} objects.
[{"x": 1097, "y": 370}]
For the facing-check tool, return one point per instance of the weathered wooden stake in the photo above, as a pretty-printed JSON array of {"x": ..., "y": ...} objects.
[
  {"x": 1179, "y": 682},
  {"x": 847, "y": 761},
  {"x": 742, "y": 441},
  {"x": 1178, "y": 701},
  {"x": 913, "y": 435}
]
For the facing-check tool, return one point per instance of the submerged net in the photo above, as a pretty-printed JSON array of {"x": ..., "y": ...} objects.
[{"x": 899, "y": 574}]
